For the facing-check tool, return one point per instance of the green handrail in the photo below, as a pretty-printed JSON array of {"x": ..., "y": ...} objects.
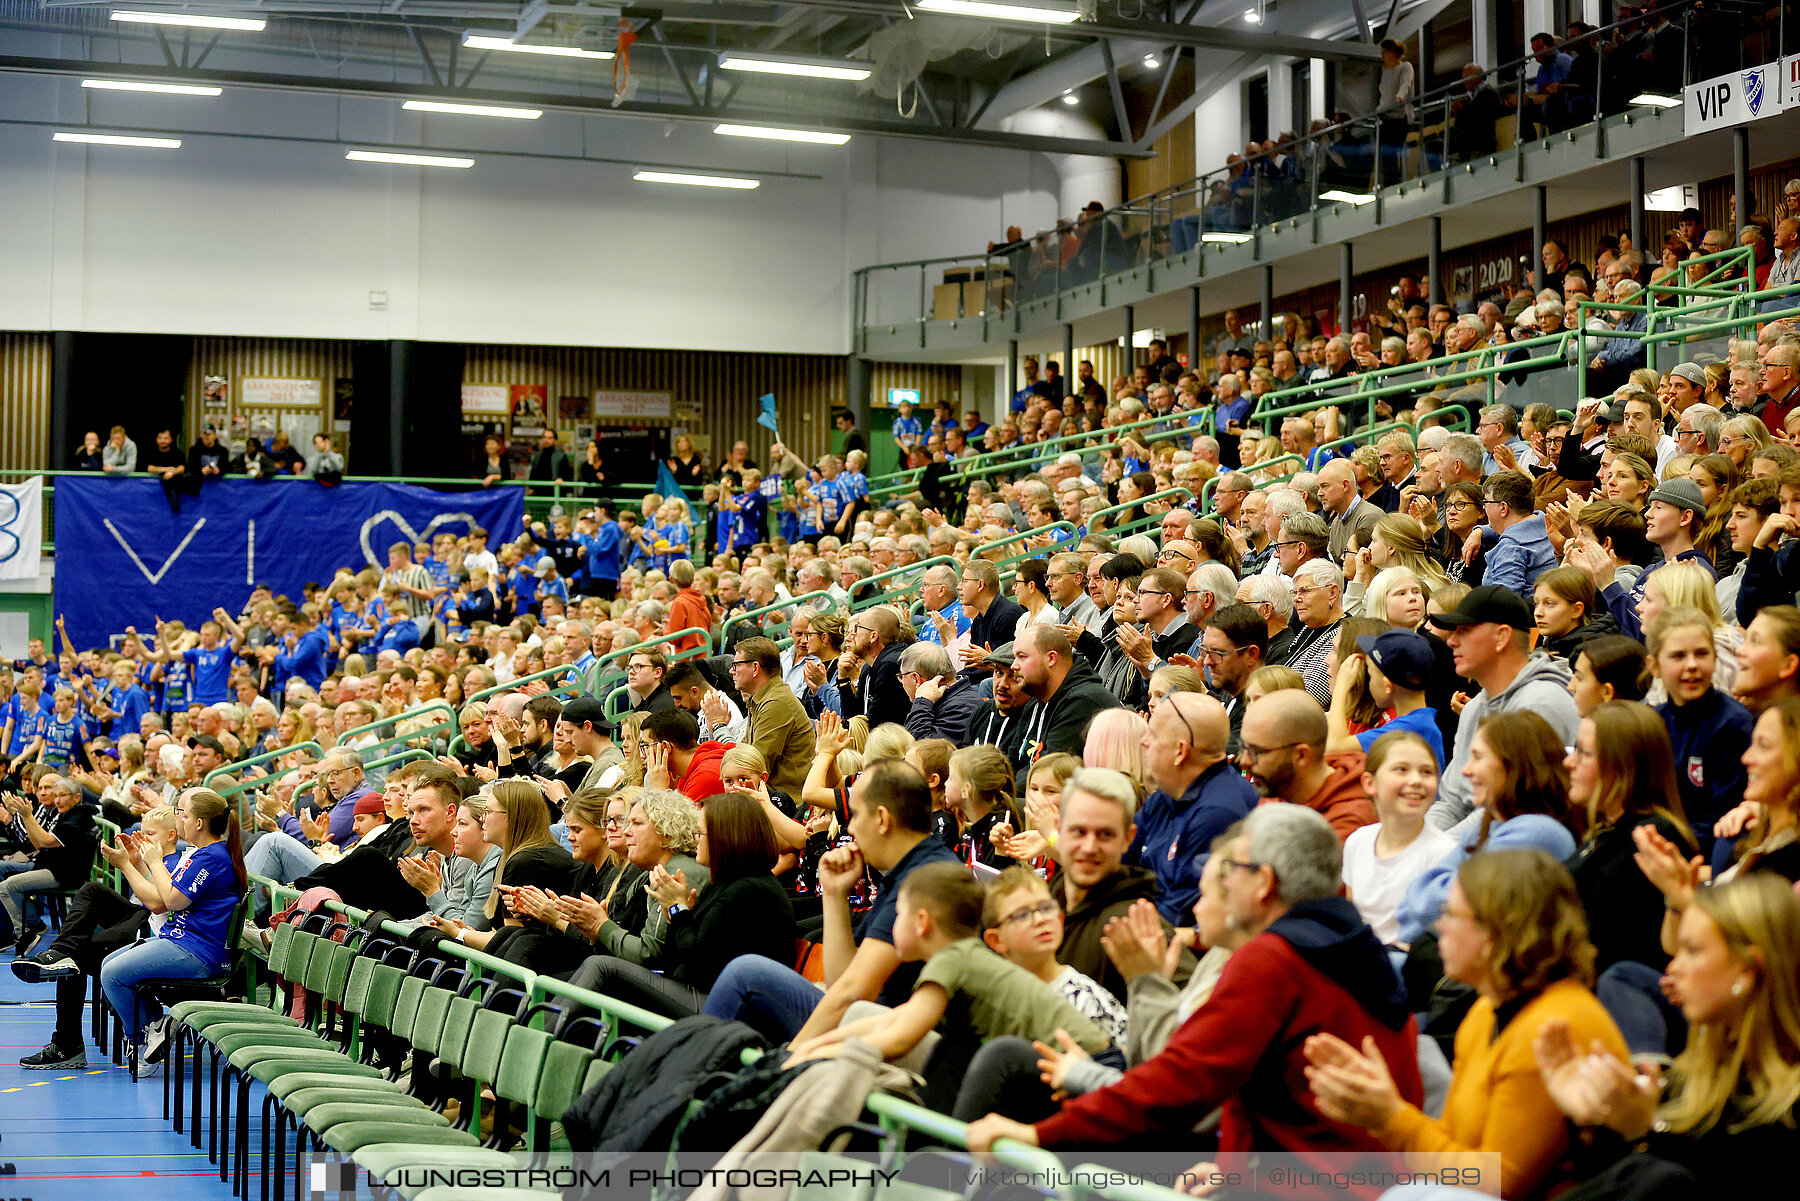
[
  {"x": 1166, "y": 494},
  {"x": 747, "y": 615},
  {"x": 917, "y": 570},
  {"x": 232, "y": 769},
  {"x": 510, "y": 685},
  {"x": 1024, "y": 450}
]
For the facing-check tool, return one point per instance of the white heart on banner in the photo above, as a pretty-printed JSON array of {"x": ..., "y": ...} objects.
[{"x": 413, "y": 537}]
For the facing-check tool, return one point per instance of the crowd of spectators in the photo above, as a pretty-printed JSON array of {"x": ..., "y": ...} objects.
[{"x": 1386, "y": 789}]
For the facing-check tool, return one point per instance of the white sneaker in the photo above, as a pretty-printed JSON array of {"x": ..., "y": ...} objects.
[{"x": 156, "y": 1040}]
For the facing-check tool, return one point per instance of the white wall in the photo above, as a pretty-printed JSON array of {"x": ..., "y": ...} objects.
[{"x": 232, "y": 235}]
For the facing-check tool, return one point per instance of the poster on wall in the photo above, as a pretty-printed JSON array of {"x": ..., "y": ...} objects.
[
  {"x": 530, "y": 405},
  {"x": 215, "y": 392},
  {"x": 343, "y": 400},
  {"x": 486, "y": 399},
  {"x": 258, "y": 392},
  {"x": 573, "y": 410},
  {"x": 633, "y": 404}
]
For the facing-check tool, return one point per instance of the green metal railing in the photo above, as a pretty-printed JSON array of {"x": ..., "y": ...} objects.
[{"x": 226, "y": 773}]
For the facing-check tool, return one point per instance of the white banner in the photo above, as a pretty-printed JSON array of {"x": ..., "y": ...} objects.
[
  {"x": 263, "y": 393},
  {"x": 495, "y": 399},
  {"x": 21, "y": 529},
  {"x": 632, "y": 404},
  {"x": 1733, "y": 99},
  {"x": 1790, "y": 73}
]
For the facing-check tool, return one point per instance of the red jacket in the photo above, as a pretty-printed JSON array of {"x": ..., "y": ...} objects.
[
  {"x": 1242, "y": 1050},
  {"x": 688, "y": 609},
  {"x": 1341, "y": 799},
  {"x": 702, "y": 779}
]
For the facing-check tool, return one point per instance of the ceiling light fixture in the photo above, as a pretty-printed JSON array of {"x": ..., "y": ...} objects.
[
  {"x": 1253, "y": 16},
  {"x": 1071, "y": 98},
  {"x": 782, "y": 135},
  {"x": 408, "y": 160},
  {"x": 1357, "y": 198},
  {"x": 1225, "y": 238},
  {"x": 788, "y": 64},
  {"x": 476, "y": 41},
  {"x": 698, "y": 181},
  {"x": 1652, "y": 100},
  {"x": 1150, "y": 61},
  {"x": 474, "y": 110},
  {"x": 115, "y": 139},
  {"x": 1001, "y": 12},
  {"x": 192, "y": 20},
  {"x": 169, "y": 89}
]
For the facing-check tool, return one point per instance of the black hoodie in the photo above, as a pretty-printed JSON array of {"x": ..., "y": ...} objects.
[
  {"x": 1332, "y": 937},
  {"x": 1084, "y": 924},
  {"x": 1062, "y": 721}
]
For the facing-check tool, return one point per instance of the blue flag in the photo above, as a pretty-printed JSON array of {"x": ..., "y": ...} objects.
[
  {"x": 767, "y": 418},
  {"x": 665, "y": 482}
]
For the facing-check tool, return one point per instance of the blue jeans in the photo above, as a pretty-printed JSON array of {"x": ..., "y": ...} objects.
[
  {"x": 1632, "y": 994},
  {"x": 153, "y": 959},
  {"x": 279, "y": 857},
  {"x": 773, "y": 998}
]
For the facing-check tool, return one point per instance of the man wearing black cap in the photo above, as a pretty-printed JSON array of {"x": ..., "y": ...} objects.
[
  {"x": 583, "y": 722},
  {"x": 1490, "y": 638},
  {"x": 208, "y": 458},
  {"x": 1002, "y": 719},
  {"x": 208, "y": 754},
  {"x": 1676, "y": 507}
]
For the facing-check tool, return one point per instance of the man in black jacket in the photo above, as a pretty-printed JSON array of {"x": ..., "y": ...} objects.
[
  {"x": 876, "y": 691},
  {"x": 1003, "y": 718},
  {"x": 1067, "y": 688},
  {"x": 550, "y": 463}
]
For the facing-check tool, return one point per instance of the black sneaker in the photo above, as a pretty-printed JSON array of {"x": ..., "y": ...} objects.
[
  {"x": 53, "y": 1058},
  {"x": 8, "y": 937},
  {"x": 28, "y": 941},
  {"x": 45, "y": 967},
  {"x": 156, "y": 1040}
]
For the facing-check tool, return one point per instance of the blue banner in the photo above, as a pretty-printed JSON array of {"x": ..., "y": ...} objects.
[{"x": 123, "y": 559}]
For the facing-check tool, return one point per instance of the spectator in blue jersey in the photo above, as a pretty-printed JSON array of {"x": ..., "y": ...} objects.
[
  {"x": 549, "y": 582},
  {"x": 401, "y": 633},
  {"x": 602, "y": 539},
  {"x": 944, "y": 621},
  {"x": 749, "y": 512},
  {"x": 122, "y": 703},
  {"x": 475, "y": 600},
  {"x": 210, "y": 661},
  {"x": 25, "y": 712},
  {"x": 35, "y": 656},
  {"x": 302, "y": 652},
  {"x": 200, "y": 897},
  {"x": 907, "y": 430},
  {"x": 65, "y": 732},
  {"x": 855, "y": 483}
]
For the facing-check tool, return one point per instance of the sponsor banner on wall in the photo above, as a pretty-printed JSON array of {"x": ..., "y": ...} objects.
[
  {"x": 633, "y": 404},
  {"x": 1790, "y": 74},
  {"x": 256, "y": 392},
  {"x": 494, "y": 399},
  {"x": 1733, "y": 99}
]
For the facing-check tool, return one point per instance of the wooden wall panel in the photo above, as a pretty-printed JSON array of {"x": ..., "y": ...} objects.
[
  {"x": 322, "y": 359},
  {"x": 25, "y": 360},
  {"x": 935, "y": 382}
]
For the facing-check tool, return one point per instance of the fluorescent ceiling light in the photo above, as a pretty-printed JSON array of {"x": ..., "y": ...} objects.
[
  {"x": 408, "y": 160},
  {"x": 477, "y": 41},
  {"x": 474, "y": 110},
  {"x": 193, "y": 20},
  {"x": 1652, "y": 100},
  {"x": 130, "y": 85},
  {"x": 698, "y": 181},
  {"x": 1001, "y": 12},
  {"x": 780, "y": 64},
  {"x": 783, "y": 135},
  {"x": 1150, "y": 61},
  {"x": 1357, "y": 198},
  {"x": 115, "y": 139},
  {"x": 1229, "y": 239}
]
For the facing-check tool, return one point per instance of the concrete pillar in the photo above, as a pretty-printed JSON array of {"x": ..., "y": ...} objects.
[
  {"x": 1345, "y": 269},
  {"x": 1268, "y": 300},
  {"x": 1130, "y": 329},
  {"x": 1637, "y": 203},
  {"x": 1196, "y": 351},
  {"x": 1540, "y": 204},
  {"x": 1434, "y": 250},
  {"x": 1740, "y": 178}
]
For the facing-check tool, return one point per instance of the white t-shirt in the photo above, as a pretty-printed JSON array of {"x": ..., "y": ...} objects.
[
  {"x": 1377, "y": 885},
  {"x": 1092, "y": 1002}
]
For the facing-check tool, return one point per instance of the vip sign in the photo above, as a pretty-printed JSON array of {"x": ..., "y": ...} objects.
[
  {"x": 1733, "y": 99},
  {"x": 1790, "y": 72}
]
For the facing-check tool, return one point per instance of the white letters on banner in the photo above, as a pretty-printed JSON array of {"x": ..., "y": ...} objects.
[
  {"x": 495, "y": 399},
  {"x": 1733, "y": 99},
  {"x": 632, "y": 404},
  {"x": 262, "y": 393},
  {"x": 21, "y": 528}
]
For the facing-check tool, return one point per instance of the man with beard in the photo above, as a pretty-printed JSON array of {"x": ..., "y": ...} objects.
[{"x": 1283, "y": 752}]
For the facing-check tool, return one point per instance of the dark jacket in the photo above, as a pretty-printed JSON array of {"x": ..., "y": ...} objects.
[
  {"x": 1004, "y": 730},
  {"x": 637, "y": 1105},
  {"x": 369, "y": 876},
  {"x": 1569, "y": 645},
  {"x": 1084, "y": 924},
  {"x": 1317, "y": 968},
  {"x": 1623, "y": 908},
  {"x": 1061, "y": 724},
  {"x": 750, "y": 915},
  {"x": 656, "y": 702},
  {"x": 1709, "y": 737},
  {"x": 878, "y": 692},
  {"x": 993, "y": 628},
  {"x": 1112, "y": 666},
  {"x": 950, "y": 715},
  {"x": 1171, "y": 831},
  {"x": 1771, "y": 577}
]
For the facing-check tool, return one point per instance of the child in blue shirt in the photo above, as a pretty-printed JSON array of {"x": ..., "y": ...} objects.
[
  {"x": 64, "y": 731},
  {"x": 749, "y": 513},
  {"x": 908, "y": 433}
]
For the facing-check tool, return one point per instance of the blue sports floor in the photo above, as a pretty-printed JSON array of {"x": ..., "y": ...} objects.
[{"x": 88, "y": 1134}]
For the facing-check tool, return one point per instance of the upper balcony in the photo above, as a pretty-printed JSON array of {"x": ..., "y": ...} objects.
[{"x": 1375, "y": 181}]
